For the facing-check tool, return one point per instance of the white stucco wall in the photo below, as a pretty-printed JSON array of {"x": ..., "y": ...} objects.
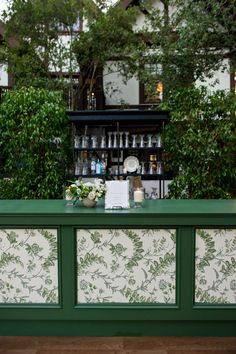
[
  {"x": 3, "y": 75},
  {"x": 117, "y": 92},
  {"x": 155, "y": 4},
  {"x": 220, "y": 80}
]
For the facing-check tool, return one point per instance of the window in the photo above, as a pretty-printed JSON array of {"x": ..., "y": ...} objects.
[{"x": 152, "y": 90}]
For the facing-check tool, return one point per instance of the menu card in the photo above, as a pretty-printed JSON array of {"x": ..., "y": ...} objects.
[{"x": 117, "y": 195}]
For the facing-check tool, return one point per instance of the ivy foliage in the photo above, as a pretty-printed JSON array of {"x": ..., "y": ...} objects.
[
  {"x": 34, "y": 144},
  {"x": 200, "y": 144}
]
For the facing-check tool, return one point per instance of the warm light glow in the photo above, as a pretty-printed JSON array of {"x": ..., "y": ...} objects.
[{"x": 159, "y": 87}]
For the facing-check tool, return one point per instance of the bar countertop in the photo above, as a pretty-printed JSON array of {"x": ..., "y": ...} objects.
[
  {"x": 150, "y": 207},
  {"x": 153, "y": 213}
]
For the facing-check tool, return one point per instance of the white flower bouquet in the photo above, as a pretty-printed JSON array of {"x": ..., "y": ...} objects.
[{"x": 80, "y": 190}]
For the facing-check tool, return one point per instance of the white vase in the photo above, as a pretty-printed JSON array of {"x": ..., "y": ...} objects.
[{"x": 89, "y": 203}]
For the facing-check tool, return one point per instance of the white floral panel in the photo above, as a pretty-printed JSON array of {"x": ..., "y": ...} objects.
[
  {"x": 126, "y": 266},
  {"x": 215, "y": 266},
  {"x": 28, "y": 266}
]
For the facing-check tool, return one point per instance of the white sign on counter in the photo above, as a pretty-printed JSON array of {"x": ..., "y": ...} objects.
[{"x": 117, "y": 195}]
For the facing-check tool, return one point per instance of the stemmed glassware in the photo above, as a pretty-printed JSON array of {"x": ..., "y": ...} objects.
[
  {"x": 121, "y": 139},
  {"x": 134, "y": 144},
  {"x": 103, "y": 141},
  {"x": 149, "y": 142},
  {"x": 126, "y": 139},
  {"x": 109, "y": 140},
  {"x": 115, "y": 140},
  {"x": 141, "y": 140},
  {"x": 158, "y": 144}
]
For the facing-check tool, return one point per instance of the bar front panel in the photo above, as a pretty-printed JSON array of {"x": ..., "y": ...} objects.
[
  {"x": 28, "y": 266},
  {"x": 126, "y": 266}
]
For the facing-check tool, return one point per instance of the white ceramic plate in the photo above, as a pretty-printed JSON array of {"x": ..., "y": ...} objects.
[{"x": 131, "y": 163}]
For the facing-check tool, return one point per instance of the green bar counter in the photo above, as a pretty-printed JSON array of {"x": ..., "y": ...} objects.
[{"x": 166, "y": 269}]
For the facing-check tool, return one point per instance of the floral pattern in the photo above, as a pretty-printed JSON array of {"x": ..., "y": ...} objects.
[
  {"x": 126, "y": 266},
  {"x": 215, "y": 266},
  {"x": 28, "y": 266}
]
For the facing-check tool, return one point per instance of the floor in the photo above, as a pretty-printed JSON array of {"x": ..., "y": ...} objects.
[{"x": 117, "y": 345}]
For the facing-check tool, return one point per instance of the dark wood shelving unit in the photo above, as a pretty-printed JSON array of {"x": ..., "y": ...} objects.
[{"x": 133, "y": 122}]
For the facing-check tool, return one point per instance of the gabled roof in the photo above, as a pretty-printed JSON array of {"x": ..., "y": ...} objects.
[{"x": 126, "y": 3}]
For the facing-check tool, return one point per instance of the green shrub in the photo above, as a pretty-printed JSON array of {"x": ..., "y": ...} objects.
[
  {"x": 200, "y": 143},
  {"x": 34, "y": 144}
]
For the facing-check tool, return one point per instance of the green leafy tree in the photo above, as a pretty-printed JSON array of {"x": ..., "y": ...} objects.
[
  {"x": 188, "y": 40},
  {"x": 34, "y": 144},
  {"x": 34, "y": 47},
  {"x": 188, "y": 43},
  {"x": 200, "y": 143},
  {"x": 110, "y": 36},
  {"x": 36, "y": 26}
]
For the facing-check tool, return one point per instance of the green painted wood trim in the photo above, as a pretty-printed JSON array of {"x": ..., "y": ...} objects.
[
  {"x": 185, "y": 274},
  {"x": 117, "y": 328}
]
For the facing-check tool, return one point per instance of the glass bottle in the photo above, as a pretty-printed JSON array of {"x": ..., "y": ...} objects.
[
  {"x": 104, "y": 164},
  {"x": 93, "y": 165},
  {"x": 159, "y": 168},
  {"x": 94, "y": 141},
  {"x": 85, "y": 140},
  {"x": 98, "y": 167}
]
